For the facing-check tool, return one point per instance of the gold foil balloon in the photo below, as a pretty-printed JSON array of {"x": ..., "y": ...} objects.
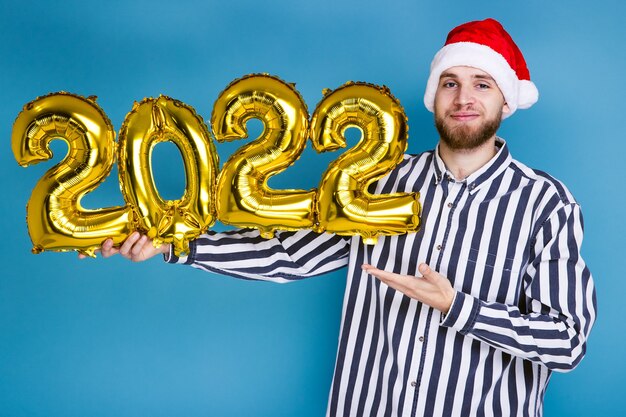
[
  {"x": 56, "y": 220},
  {"x": 344, "y": 205},
  {"x": 245, "y": 199},
  {"x": 174, "y": 221}
]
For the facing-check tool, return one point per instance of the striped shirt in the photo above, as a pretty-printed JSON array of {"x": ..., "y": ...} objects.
[{"x": 508, "y": 238}]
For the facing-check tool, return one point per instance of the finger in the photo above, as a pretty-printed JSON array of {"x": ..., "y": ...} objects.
[
  {"x": 138, "y": 247},
  {"x": 400, "y": 283},
  {"x": 385, "y": 276},
  {"x": 428, "y": 273},
  {"x": 372, "y": 270},
  {"x": 125, "y": 249},
  {"x": 108, "y": 249}
]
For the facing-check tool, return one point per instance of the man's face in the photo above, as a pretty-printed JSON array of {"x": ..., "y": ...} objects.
[{"x": 468, "y": 107}]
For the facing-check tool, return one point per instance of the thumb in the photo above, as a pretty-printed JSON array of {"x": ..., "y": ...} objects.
[{"x": 426, "y": 272}]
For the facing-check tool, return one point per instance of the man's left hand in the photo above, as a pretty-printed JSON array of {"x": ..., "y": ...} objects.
[{"x": 431, "y": 288}]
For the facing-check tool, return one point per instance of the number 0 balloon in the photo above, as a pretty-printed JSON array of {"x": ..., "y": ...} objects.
[{"x": 164, "y": 119}]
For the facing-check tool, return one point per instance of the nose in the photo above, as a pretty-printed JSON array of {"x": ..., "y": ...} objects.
[{"x": 464, "y": 95}]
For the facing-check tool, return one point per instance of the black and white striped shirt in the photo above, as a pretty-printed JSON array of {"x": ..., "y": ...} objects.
[{"x": 508, "y": 238}]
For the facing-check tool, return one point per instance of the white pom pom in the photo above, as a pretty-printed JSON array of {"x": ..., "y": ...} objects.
[{"x": 527, "y": 94}]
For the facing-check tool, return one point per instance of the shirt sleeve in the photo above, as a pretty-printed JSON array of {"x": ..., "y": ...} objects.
[
  {"x": 289, "y": 256},
  {"x": 556, "y": 309}
]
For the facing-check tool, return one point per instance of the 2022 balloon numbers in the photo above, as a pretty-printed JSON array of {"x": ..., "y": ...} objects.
[{"x": 238, "y": 194}]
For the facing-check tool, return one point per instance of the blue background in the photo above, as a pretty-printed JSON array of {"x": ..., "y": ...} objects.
[{"x": 112, "y": 338}]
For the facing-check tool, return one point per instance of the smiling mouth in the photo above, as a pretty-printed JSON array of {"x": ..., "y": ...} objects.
[{"x": 464, "y": 116}]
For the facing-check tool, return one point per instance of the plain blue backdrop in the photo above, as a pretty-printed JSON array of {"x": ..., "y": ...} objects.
[{"x": 112, "y": 338}]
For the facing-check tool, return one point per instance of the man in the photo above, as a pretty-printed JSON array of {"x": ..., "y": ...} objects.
[{"x": 469, "y": 316}]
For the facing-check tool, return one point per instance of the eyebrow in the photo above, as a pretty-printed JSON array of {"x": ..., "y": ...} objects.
[{"x": 478, "y": 76}]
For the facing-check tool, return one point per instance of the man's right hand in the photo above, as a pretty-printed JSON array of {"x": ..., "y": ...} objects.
[{"x": 136, "y": 247}]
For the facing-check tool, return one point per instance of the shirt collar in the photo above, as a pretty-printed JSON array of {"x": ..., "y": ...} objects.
[{"x": 490, "y": 170}]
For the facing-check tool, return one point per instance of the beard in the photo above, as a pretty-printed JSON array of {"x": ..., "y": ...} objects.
[{"x": 464, "y": 137}]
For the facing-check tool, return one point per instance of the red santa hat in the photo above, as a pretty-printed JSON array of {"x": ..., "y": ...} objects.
[{"x": 487, "y": 46}]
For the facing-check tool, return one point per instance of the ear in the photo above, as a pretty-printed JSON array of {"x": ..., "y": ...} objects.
[{"x": 506, "y": 109}]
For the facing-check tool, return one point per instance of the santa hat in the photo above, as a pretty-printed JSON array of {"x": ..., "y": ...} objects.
[{"x": 487, "y": 46}]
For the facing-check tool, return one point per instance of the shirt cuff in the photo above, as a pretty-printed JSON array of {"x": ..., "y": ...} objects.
[
  {"x": 462, "y": 314},
  {"x": 171, "y": 258}
]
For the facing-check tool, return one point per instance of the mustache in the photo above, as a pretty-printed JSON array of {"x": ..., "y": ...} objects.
[{"x": 463, "y": 108}]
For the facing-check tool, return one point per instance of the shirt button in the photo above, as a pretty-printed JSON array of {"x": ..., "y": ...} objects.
[
  {"x": 421, "y": 338},
  {"x": 413, "y": 383},
  {"x": 439, "y": 247},
  {"x": 450, "y": 205}
]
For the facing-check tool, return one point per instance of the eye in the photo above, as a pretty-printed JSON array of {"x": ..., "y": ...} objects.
[
  {"x": 483, "y": 86},
  {"x": 449, "y": 84}
]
